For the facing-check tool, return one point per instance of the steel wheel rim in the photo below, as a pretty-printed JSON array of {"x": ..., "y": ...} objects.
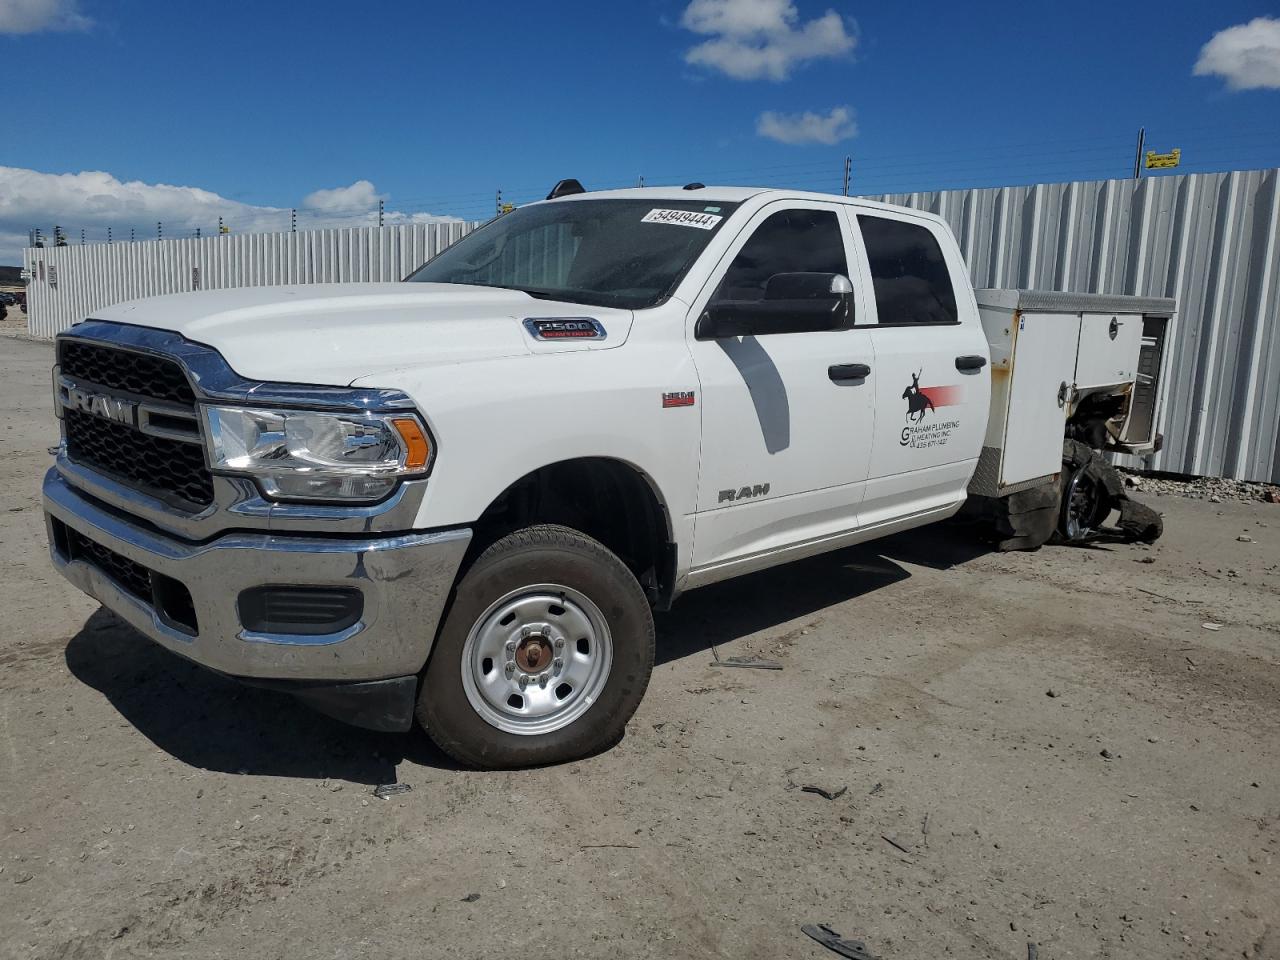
[
  {"x": 1081, "y": 503},
  {"x": 506, "y": 682}
]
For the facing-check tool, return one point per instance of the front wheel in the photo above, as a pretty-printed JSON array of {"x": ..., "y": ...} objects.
[{"x": 544, "y": 655}]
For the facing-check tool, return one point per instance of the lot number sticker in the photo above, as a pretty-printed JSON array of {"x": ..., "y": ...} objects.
[{"x": 683, "y": 218}]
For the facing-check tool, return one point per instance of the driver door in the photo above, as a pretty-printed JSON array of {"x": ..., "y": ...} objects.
[{"x": 787, "y": 417}]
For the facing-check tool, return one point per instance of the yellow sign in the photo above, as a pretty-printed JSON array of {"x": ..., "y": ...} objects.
[
  {"x": 1159, "y": 161},
  {"x": 506, "y": 207}
]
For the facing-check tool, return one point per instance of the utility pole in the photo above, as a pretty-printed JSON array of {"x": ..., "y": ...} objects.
[
  {"x": 381, "y": 208},
  {"x": 159, "y": 231},
  {"x": 640, "y": 181},
  {"x": 293, "y": 220},
  {"x": 108, "y": 236},
  {"x": 1137, "y": 157},
  {"x": 848, "y": 169},
  {"x": 497, "y": 203},
  {"x": 82, "y": 236},
  {"x": 197, "y": 233},
  {"x": 131, "y": 234}
]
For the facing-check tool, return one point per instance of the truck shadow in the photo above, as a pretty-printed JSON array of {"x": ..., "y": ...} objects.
[
  {"x": 213, "y": 723},
  {"x": 724, "y": 612}
]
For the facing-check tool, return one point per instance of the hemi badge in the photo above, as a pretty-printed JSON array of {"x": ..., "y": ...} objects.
[
  {"x": 679, "y": 398},
  {"x": 564, "y": 328}
]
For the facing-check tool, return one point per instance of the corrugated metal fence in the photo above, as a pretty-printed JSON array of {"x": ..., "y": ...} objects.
[
  {"x": 70, "y": 283},
  {"x": 1210, "y": 240}
]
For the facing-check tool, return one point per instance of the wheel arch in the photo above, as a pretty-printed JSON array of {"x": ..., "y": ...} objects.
[{"x": 607, "y": 498}]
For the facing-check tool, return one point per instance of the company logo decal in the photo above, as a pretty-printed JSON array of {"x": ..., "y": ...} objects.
[
  {"x": 564, "y": 328},
  {"x": 921, "y": 402},
  {"x": 678, "y": 398}
]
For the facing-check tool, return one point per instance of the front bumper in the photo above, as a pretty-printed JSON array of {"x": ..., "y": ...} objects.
[{"x": 404, "y": 581}]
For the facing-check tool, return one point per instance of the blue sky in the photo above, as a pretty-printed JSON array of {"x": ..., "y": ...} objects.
[{"x": 431, "y": 107}]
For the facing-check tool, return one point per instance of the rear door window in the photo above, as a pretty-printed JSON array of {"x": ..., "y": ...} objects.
[{"x": 912, "y": 283}]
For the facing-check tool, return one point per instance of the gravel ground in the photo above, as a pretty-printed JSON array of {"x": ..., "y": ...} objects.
[{"x": 1045, "y": 748}]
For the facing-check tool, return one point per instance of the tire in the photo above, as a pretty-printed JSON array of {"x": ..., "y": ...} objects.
[{"x": 575, "y": 617}]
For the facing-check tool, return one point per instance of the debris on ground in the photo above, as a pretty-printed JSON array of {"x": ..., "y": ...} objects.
[
  {"x": 750, "y": 663},
  {"x": 876, "y": 789},
  {"x": 823, "y": 791},
  {"x": 853, "y": 949},
  {"x": 1211, "y": 626},
  {"x": 385, "y": 790},
  {"x": 894, "y": 843},
  {"x": 471, "y": 898},
  {"x": 1212, "y": 489}
]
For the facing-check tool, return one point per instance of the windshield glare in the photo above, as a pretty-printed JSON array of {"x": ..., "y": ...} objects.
[{"x": 613, "y": 253}]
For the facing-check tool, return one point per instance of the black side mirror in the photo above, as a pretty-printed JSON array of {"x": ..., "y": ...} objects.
[{"x": 793, "y": 303}]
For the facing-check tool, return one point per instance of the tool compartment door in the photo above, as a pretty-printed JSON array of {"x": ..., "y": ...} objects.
[
  {"x": 1109, "y": 348},
  {"x": 1044, "y": 364}
]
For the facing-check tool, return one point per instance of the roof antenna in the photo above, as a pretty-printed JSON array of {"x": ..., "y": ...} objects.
[
  {"x": 566, "y": 188},
  {"x": 695, "y": 186}
]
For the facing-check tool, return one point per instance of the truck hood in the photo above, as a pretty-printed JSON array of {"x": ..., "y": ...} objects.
[{"x": 336, "y": 333}]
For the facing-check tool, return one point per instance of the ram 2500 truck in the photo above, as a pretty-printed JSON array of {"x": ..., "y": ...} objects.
[{"x": 461, "y": 497}]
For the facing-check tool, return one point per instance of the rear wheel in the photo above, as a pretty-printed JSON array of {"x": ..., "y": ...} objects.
[
  {"x": 544, "y": 655},
  {"x": 1085, "y": 505}
]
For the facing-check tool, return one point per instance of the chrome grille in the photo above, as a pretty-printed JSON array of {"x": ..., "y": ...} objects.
[{"x": 157, "y": 449}]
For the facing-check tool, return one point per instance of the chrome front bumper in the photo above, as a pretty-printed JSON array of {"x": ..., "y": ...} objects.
[{"x": 404, "y": 579}]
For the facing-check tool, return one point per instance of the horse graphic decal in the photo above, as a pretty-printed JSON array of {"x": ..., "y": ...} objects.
[{"x": 917, "y": 401}]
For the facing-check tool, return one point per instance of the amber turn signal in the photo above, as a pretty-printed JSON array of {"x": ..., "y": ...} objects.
[{"x": 417, "y": 446}]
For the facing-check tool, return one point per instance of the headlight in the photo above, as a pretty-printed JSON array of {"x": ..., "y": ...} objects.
[{"x": 309, "y": 455}]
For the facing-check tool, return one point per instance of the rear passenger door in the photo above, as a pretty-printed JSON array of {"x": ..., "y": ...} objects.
[{"x": 933, "y": 386}]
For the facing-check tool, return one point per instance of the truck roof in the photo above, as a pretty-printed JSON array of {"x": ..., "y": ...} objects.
[{"x": 713, "y": 194}]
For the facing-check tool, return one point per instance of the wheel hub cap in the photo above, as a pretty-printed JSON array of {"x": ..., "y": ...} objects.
[{"x": 533, "y": 654}]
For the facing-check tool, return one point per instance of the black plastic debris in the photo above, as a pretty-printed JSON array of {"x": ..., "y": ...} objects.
[
  {"x": 853, "y": 949},
  {"x": 823, "y": 791},
  {"x": 385, "y": 790},
  {"x": 749, "y": 663}
]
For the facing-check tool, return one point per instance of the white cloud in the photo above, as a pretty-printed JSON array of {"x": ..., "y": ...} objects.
[
  {"x": 751, "y": 39},
  {"x": 360, "y": 196},
  {"x": 34, "y": 16},
  {"x": 808, "y": 127},
  {"x": 1247, "y": 56},
  {"x": 93, "y": 201}
]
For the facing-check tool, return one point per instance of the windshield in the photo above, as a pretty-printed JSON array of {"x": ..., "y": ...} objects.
[{"x": 610, "y": 253}]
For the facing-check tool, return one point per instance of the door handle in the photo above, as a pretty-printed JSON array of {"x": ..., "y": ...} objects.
[
  {"x": 971, "y": 362},
  {"x": 841, "y": 372}
]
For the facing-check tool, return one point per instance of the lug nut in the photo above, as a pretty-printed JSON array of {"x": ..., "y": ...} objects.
[
  {"x": 525, "y": 631},
  {"x": 559, "y": 664},
  {"x": 511, "y": 647},
  {"x": 510, "y": 667},
  {"x": 559, "y": 643},
  {"x": 542, "y": 680},
  {"x": 524, "y": 680}
]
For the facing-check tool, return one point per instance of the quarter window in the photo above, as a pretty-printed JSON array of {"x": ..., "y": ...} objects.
[
  {"x": 790, "y": 241},
  {"x": 912, "y": 283}
]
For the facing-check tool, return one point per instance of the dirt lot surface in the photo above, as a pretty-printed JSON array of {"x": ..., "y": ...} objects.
[{"x": 1044, "y": 748}]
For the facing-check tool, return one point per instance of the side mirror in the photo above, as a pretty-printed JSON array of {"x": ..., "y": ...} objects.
[{"x": 793, "y": 303}]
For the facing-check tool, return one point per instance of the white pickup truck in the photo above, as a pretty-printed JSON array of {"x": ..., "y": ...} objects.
[{"x": 460, "y": 497}]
